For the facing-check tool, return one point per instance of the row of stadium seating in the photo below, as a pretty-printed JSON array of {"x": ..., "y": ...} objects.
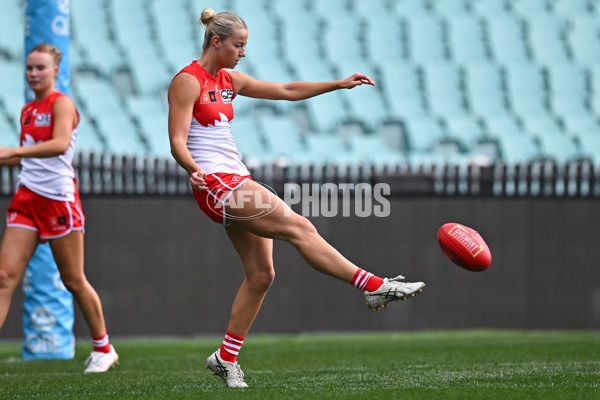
[{"x": 457, "y": 80}]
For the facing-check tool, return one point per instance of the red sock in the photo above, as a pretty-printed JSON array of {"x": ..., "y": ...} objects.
[
  {"x": 101, "y": 344},
  {"x": 231, "y": 347},
  {"x": 366, "y": 281}
]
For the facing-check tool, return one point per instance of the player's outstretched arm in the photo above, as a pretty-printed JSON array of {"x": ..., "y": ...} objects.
[{"x": 245, "y": 85}]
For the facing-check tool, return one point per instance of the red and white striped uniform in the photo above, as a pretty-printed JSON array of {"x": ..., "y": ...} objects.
[
  {"x": 51, "y": 177},
  {"x": 210, "y": 141}
]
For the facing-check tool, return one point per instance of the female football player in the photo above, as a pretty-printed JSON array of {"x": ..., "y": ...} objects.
[
  {"x": 46, "y": 206},
  {"x": 200, "y": 114}
]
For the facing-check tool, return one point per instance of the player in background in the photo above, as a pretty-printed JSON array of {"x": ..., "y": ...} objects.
[
  {"x": 46, "y": 206},
  {"x": 200, "y": 114}
]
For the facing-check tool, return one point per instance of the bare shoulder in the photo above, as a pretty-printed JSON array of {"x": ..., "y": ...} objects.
[
  {"x": 63, "y": 104},
  {"x": 185, "y": 86},
  {"x": 64, "y": 101},
  {"x": 184, "y": 78}
]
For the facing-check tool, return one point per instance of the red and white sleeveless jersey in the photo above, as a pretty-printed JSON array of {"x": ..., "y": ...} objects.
[
  {"x": 210, "y": 141},
  {"x": 51, "y": 177}
]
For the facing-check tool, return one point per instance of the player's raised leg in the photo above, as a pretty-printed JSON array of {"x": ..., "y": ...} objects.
[{"x": 284, "y": 224}]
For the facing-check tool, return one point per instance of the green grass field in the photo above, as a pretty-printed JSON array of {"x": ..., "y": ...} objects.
[{"x": 478, "y": 364}]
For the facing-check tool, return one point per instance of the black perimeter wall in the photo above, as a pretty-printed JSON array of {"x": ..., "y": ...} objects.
[{"x": 161, "y": 267}]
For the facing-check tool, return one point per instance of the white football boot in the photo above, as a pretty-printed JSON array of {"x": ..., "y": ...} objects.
[
  {"x": 230, "y": 372},
  {"x": 392, "y": 290},
  {"x": 101, "y": 362}
]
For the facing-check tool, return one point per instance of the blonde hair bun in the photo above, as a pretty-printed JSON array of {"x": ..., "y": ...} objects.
[{"x": 208, "y": 14}]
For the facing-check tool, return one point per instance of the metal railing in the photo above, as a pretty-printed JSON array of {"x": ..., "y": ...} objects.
[{"x": 109, "y": 174}]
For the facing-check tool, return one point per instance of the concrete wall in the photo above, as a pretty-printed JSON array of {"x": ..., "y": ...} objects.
[{"x": 161, "y": 267}]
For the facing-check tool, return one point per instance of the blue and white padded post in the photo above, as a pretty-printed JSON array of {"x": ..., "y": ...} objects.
[{"x": 48, "y": 310}]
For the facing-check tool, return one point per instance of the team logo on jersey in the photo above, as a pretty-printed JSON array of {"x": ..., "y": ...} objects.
[
  {"x": 27, "y": 120},
  {"x": 208, "y": 97},
  {"x": 227, "y": 95},
  {"x": 43, "y": 119}
]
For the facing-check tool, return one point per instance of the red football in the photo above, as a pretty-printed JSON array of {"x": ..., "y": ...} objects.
[{"x": 465, "y": 247}]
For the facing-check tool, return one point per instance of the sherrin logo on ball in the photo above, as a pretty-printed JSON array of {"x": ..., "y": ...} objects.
[
  {"x": 464, "y": 246},
  {"x": 467, "y": 240}
]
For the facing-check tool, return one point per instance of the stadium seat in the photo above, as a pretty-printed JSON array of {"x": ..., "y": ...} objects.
[
  {"x": 466, "y": 39},
  {"x": 559, "y": 148},
  {"x": 299, "y": 42},
  {"x": 465, "y": 129},
  {"x": 342, "y": 41},
  {"x": 98, "y": 97},
  {"x": 247, "y": 9},
  {"x": 155, "y": 133},
  {"x": 146, "y": 105},
  {"x": 584, "y": 28},
  {"x": 450, "y": 8},
  {"x": 326, "y": 112},
  {"x": 489, "y": 7},
  {"x": 13, "y": 84},
  {"x": 91, "y": 34},
  {"x": 484, "y": 89},
  {"x": 530, "y": 7},
  {"x": 13, "y": 104},
  {"x": 566, "y": 80},
  {"x": 402, "y": 90},
  {"x": 78, "y": 59},
  {"x": 541, "y": 124},
  {"x": 326, "y": 148},
  {"x": 595, "y": 89},
  {"x": 590, "y": 147},
  {"x": 11, "y": 24},
  {"x": 367, "y": 107},
  {"x": 526, "y": 88},
  {"x": 148, "y": 76},
  {"x": 571, "y": 8},
  {"x": 88, "y": 139},
  {"x": 283, "y": 137},
  {"x": 568, "y": 106},
  {"x": 130, "y": 22},
  {"x": 249, "y": 141},
  {"x": 121, "y": 135},
  {"x": 375, "y": 150},
  {"x": 308, "y": 70},
  {"x": 502, "y": 126},
  {"x": 545, "y": 34},
  {"x": 411, "y": 8},
  {"x": 9, "y": 136},
  {"x": 385, "y": 39},
  {"x": 289, "y": 10},
  {"x": 581, "y": 124},
  {"x": 151, "y": 116},
  {"x": 243, "y": 105},
  {"x": 261, "y": 47},
  {"x": 326, "y": 9},
  {"x": 518, "y": 149},
  {"x": 379, "y": 8},
  {"x": 505, "y": 34},
  {"x": 178, "y": 45},
  {"x": 148, "y": 68},
  {"x": 422, "y": 134},
  {"x": 270, "y": 70},
  {"x": 425, "y": 39},
  {"x": 443, "y": 89}
]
